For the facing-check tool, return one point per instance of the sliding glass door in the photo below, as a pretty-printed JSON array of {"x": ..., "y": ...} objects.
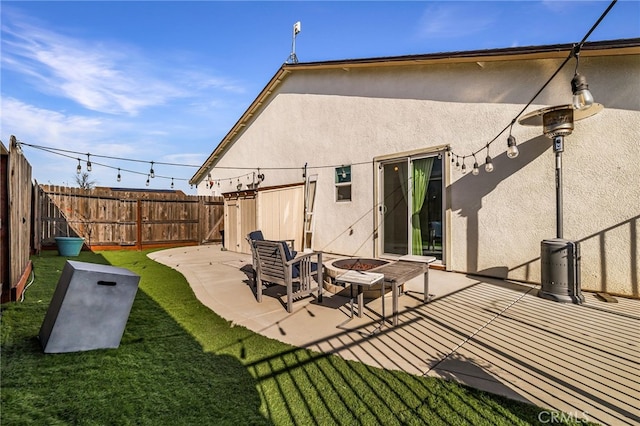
[{"x": 412, "y": 206}]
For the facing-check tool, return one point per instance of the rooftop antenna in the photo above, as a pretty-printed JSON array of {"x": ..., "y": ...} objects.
[{"x": 293, "y": 59}]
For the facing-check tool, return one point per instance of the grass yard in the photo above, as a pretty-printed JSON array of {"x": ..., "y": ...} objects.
[{"x": 180, "y": 364}]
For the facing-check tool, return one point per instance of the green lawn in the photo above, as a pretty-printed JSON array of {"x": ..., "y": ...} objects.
[{"x": 180, "y": 364}]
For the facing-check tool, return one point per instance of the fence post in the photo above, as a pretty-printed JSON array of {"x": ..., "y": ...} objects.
[{"x": 139, "y": 224}]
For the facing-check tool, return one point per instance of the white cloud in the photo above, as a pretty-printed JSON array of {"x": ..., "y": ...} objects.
[
  {"x": 104, "y": 77},
  {"x": 28, "y": 122}
]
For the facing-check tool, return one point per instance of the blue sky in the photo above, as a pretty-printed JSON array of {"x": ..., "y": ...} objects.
[{"x": 165, "y": 81}]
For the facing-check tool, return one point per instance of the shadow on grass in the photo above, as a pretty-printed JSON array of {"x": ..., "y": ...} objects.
[
  {"x": 179, "y": 363},
  {"x": 159, "y": 375}
]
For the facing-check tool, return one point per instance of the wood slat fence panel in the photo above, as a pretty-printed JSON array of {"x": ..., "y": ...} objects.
[
  {"x": 114, "y": 218},
  {"x": 16, "y": 218}
]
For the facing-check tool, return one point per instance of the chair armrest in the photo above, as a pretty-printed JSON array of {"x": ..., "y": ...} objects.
[{"x": 303, "y": 256}]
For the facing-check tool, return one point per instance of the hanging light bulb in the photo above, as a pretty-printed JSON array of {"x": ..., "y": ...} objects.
[
  {"x": 88, "y": 163},
  {"x": 464, "y": 166},
  {"x": 147, "y": 180},
  {"x": 119, "y": 178},
  {"x": 171, "y": 183},
  {"x": 476, "y": 170},
  {"x": 344, "y": 173},
  {"x": 488, "y": 164},
  {"x": 79, "y": 168},
  {"x": 582, "y": 97},
  {"x": 512, "y": 149},
  {"x": 152, "y": 174}
]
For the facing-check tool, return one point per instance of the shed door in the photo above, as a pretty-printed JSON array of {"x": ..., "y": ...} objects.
[
  {"x": 240, "y": 219},
  {"x": 281, "y": 214}
]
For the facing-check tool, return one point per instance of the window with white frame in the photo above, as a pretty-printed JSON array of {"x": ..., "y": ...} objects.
[{"x": 343, "y": 183}]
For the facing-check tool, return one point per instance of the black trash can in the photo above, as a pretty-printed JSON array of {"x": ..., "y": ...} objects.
[{"x": 560, "y": 273}]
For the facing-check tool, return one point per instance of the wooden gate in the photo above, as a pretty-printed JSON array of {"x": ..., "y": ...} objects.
[{"x": 240, "y": 216}]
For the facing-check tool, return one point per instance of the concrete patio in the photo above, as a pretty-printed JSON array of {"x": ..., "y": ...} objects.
[{"x": 490, "y": 334}]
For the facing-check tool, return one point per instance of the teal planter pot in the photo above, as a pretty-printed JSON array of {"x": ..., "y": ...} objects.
[{"x": 69, "y": 246}]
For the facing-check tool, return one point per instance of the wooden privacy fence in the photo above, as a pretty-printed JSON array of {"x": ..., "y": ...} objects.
[
  {"x": 109, "y": 218},
  {"x": 15, "y": 221}
]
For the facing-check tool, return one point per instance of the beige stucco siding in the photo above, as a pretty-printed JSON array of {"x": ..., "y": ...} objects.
[{"x": 328, "y": 118}]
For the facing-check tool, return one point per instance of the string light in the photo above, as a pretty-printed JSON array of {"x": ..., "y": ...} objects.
[
  {"x": 476, "y": 169},
  {"x": 171, "y": 183},
  {"x": 512, "y": 149},
  {"x": 88, "y": 163},
  {"x": 464, "y": 166},
  {"x": 61, "y": 152},
  {"x": 147, "y": 183},
  {"x": 580, "y": 89},
  {"x": 488, "y": 165},
  {"x": 582, "y": 97}
]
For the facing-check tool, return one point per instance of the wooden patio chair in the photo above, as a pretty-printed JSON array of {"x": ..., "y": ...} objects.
[
  {"x": 258, "y": 236},
  {"x": 300, "y": 275}
]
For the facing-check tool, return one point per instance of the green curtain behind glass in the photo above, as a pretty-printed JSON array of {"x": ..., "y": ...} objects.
[{"x": 421, "y": 173}]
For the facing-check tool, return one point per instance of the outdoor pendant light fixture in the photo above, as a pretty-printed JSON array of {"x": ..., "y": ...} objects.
[
  {"x": 79, "y": 168},
  {"x": 512, "y": 149},
  {"x": 582, "y": 97},
  {"x": 476, "y": 169},
  {"x": 152, "y": 174},
  {"x": 488, "y": 164},
  {"x": 88, "y": 163}
]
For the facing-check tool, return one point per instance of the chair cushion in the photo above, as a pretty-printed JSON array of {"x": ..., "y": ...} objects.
[
  {"x": 256, "y": 236},
  {"x": 295, "y": 269},
  {"x": 289, "y": 254}
]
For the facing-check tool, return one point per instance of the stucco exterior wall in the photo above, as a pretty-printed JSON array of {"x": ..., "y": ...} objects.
[{"x": 328, "y": 118}]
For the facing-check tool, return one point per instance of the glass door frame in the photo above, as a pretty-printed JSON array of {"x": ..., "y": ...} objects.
[{"x": 439, "y": 153}]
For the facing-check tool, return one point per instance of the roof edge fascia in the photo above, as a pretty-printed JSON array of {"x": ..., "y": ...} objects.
[
  {"x": 593, "y": 49},
  {"x": 590, "y": 49}
]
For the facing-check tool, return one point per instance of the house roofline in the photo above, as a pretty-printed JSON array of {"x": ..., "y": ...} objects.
[
  {"x": 599, "y": 48},
  {"x": 591, "y": 49}
]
